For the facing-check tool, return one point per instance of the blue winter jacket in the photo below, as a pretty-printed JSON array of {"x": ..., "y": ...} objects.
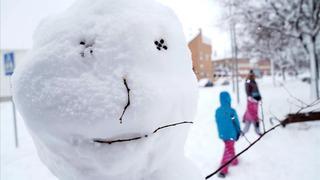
[{"x": 227, "y": 119}]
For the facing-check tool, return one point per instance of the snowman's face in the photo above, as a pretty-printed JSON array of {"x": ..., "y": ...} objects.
[{"x": 88, "y": 63}]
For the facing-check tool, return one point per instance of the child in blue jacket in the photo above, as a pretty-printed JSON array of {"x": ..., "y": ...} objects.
[{"x": 228, "y": 129}]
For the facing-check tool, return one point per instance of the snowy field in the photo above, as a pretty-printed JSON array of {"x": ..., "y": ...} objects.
[{"x": 292, "y": 153}]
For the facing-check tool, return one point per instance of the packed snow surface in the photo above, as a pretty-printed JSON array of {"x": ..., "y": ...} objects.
[{"x": 85, "y": 67}]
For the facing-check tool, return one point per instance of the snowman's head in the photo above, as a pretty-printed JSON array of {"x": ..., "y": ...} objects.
[{"x": 88, "y": 62}]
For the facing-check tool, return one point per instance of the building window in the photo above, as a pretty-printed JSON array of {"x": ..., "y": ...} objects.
[
  {"x": 201, "y": 56},
  {"x": 207, "y": 57},
  {"x": 201, "y": 66}
]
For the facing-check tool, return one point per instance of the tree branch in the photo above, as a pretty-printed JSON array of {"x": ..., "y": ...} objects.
[
  {"x": 276, "y": 10},
  {"x": 262, "y": 135},
  {"x": 301, "y": 117},
  {"x": 295, "y": 98},
  {"x": 246, "y": 149},
  {"x": 317, "y": 20}
]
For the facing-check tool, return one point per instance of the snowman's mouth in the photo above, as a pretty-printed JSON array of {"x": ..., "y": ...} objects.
[
  {"x": 134, "y": 138},
  {"x": 128, "y": 102}
]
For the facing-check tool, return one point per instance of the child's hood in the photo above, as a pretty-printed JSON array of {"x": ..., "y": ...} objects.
[{"x": 225, "y": 99}]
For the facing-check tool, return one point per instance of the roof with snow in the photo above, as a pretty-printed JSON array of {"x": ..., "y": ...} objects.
[{"x": 194, "y": 34}]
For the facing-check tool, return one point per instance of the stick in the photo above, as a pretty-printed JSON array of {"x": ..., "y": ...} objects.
[
  {"x": 239, "y": 129},
  {"x": 237, "y": 155},
  {"x": 128, "y": 103},
  {"x": 104, "y": 141},
  {"x": 262, "y": 135},
  {"x": 262, "y": 120},
  {"x": 166, "y": 126}
]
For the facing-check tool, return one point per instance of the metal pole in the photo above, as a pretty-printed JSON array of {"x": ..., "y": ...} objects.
[
  {"x": 236, "y": 61},
  {"x": 262, "y": 118},
  {"x": 272, "y": 66},
  {"x": 232, "y": 48},
  {"x": 235, "y": 72},
  {"x": 15, "y": 127}
]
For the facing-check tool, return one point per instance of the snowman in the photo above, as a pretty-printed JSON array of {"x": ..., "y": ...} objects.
[{"x": 108, "y": 92}]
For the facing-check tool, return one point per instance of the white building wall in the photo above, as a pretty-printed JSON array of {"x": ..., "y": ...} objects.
[{"x": 5, "y": 81}]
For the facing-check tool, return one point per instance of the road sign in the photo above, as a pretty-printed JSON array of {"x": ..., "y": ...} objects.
[{"x": 9, "y": 63}]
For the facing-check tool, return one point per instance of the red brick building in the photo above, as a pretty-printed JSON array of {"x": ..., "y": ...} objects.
[{"x": 200, "y": 47}]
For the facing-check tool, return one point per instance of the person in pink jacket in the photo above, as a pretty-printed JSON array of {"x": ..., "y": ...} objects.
[{"x": 253, "y": 99}]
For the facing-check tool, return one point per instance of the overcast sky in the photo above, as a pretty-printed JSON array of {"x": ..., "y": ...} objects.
[{"x": 19, "y": 18}]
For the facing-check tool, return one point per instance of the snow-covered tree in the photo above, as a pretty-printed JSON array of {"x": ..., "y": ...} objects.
[{"x": 281, "y": 29}]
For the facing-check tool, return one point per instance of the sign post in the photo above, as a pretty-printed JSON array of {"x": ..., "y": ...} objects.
[
  {"x": 9, "y": 66},
  {"x": 9, "y": 63}
]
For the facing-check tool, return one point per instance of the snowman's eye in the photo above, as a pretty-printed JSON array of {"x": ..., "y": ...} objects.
[
  {"x": 87, "y": 48},
  {"x": 161, "y": 44}
]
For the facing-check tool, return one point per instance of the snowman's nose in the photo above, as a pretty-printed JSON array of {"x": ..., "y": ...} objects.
[{"x": 128, "y": 102}]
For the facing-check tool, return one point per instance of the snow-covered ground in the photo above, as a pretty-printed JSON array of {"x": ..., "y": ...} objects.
[{"x": 292, "y": 153}]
